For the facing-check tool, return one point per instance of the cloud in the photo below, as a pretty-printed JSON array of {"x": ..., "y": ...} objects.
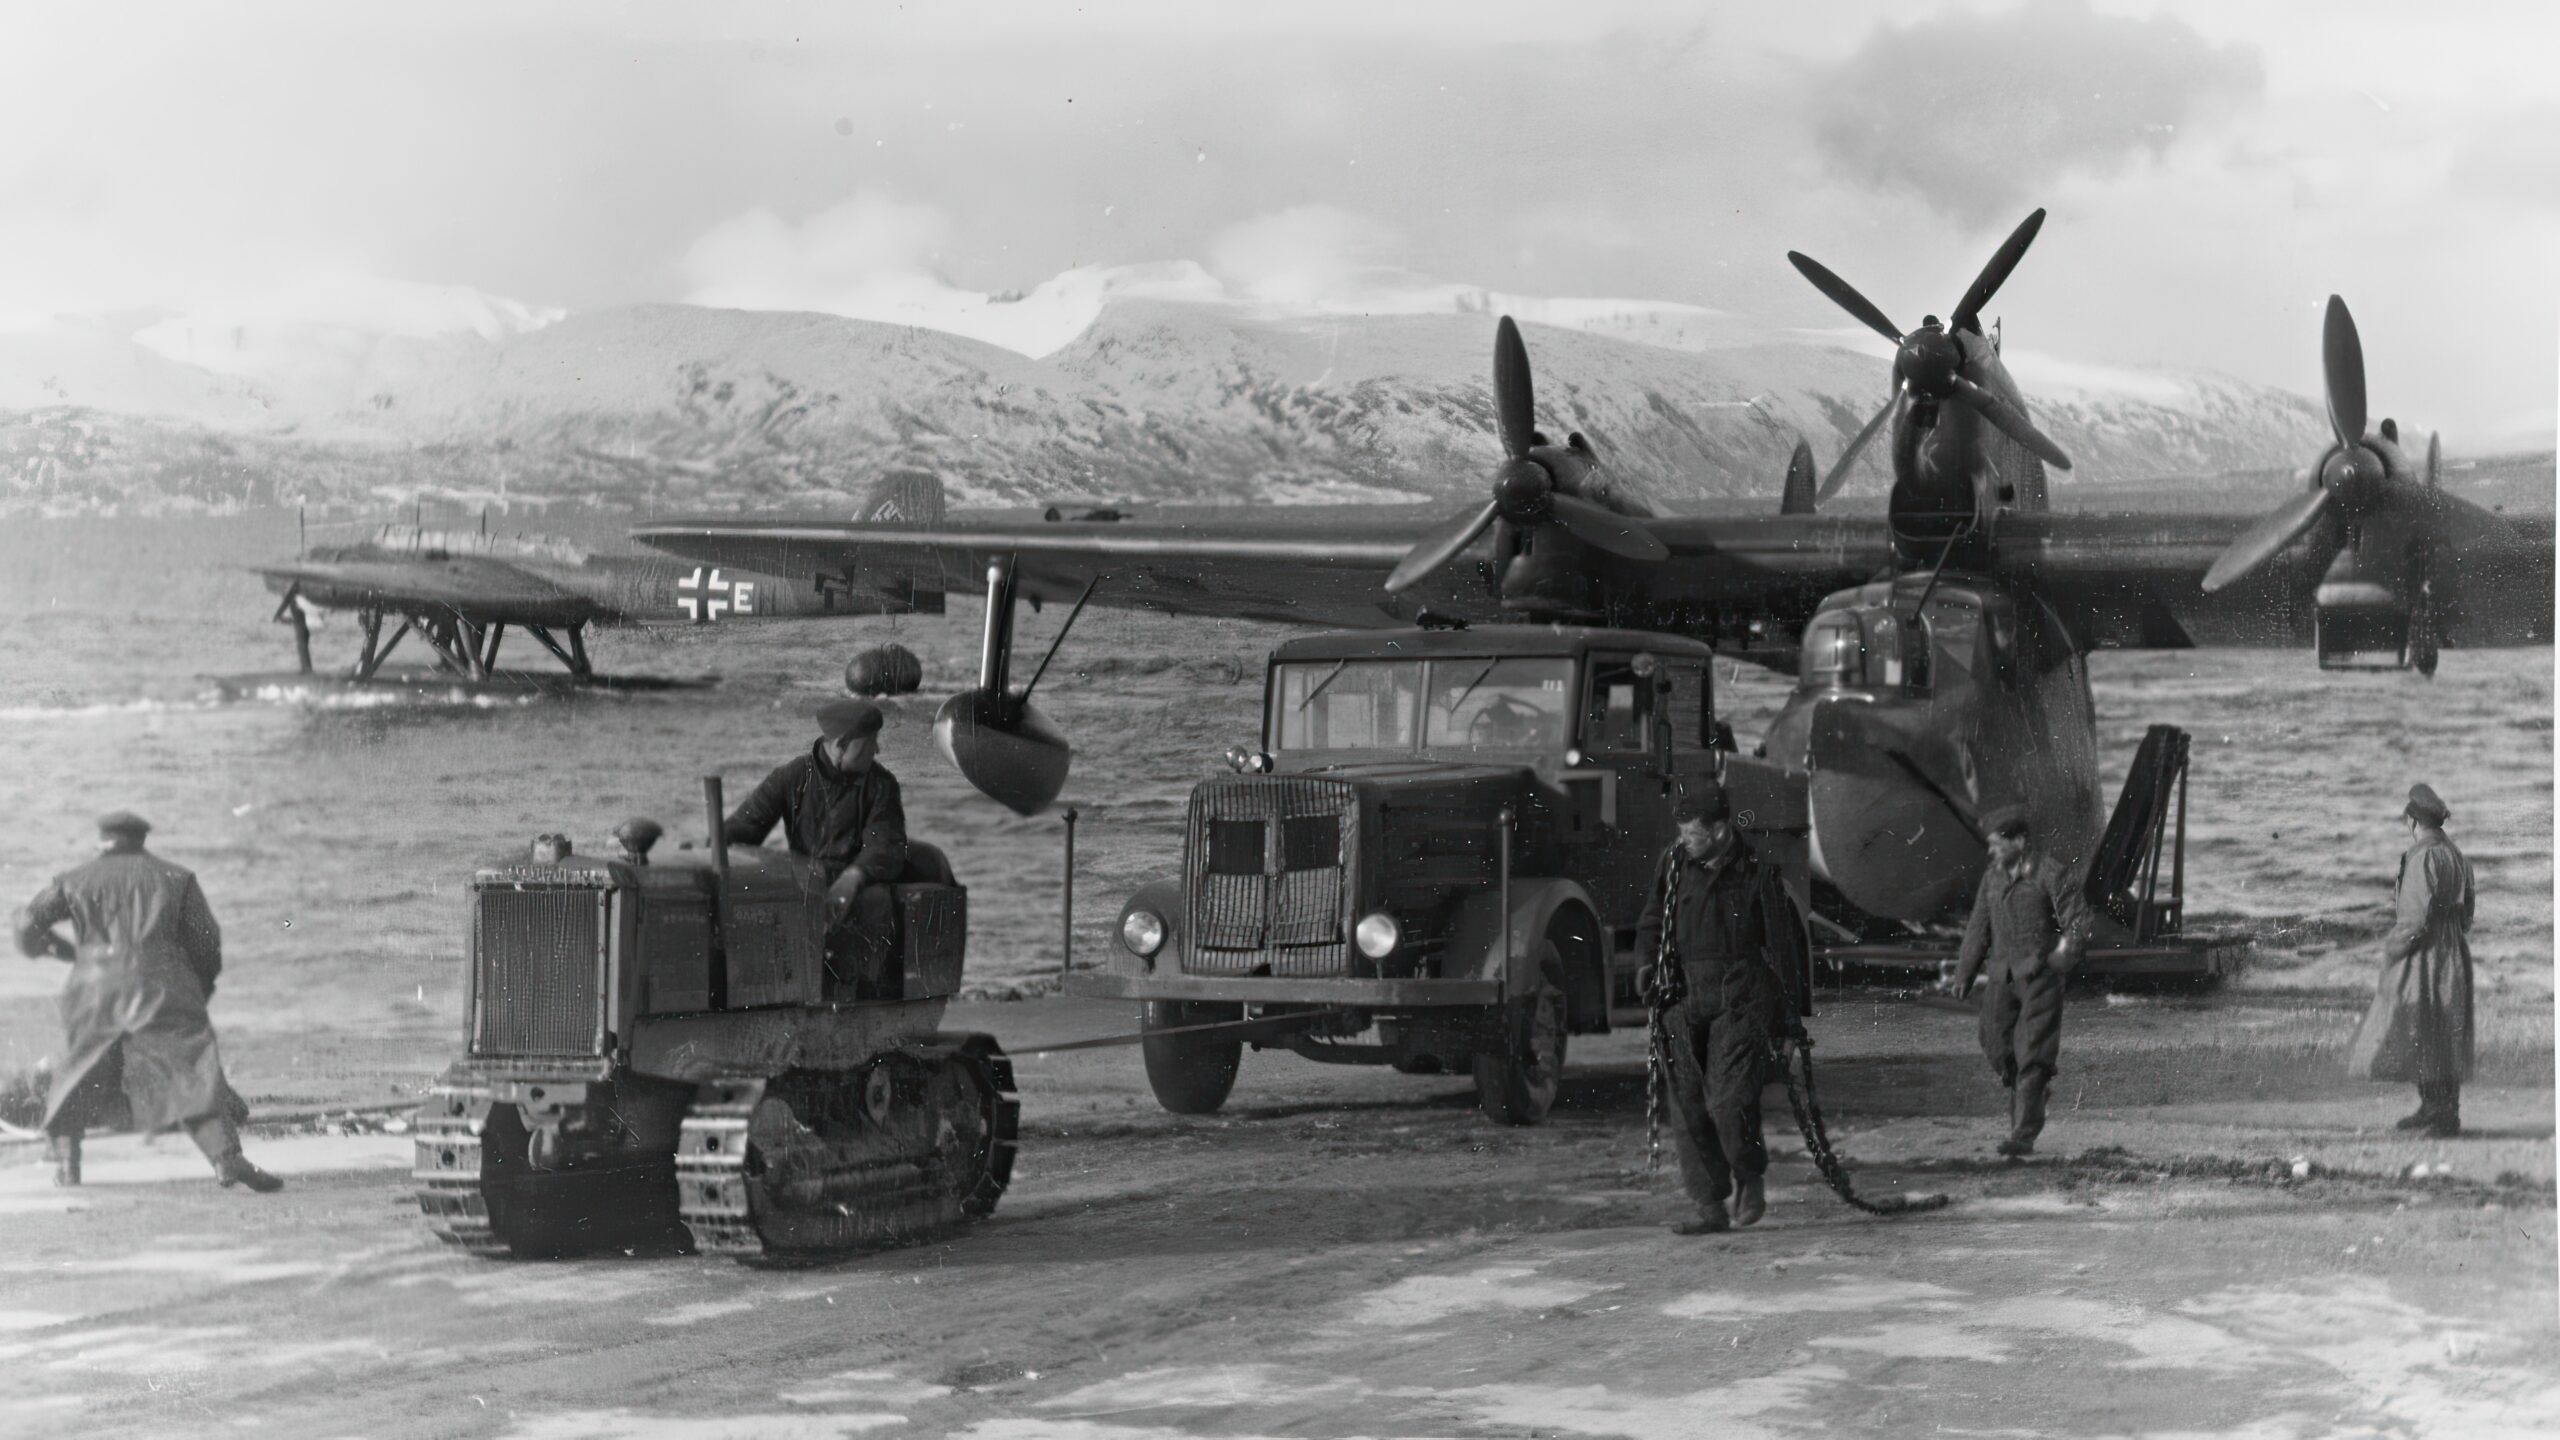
[
  {"x": 863, "y": 252},
  {"x": 874, "y": 257},
  {"x": 1975, "y": 112},
  {"x": 1304, "y": 255}
]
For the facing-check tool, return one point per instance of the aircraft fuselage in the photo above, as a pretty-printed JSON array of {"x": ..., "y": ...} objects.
[{"x": 1912, "y": 719}]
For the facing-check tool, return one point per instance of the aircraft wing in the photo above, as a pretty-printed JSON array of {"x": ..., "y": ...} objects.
[
  {"x": 1323, "y": 567},
  {"x": 2136, "y": 579},
  {"x": 2132, "y": 578},
  {"x": 474, "y": 588},
  {"x": 1294, "y": 570}
]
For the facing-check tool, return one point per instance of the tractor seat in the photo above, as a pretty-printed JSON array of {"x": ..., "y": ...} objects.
[{"x": 926, "y": 865}]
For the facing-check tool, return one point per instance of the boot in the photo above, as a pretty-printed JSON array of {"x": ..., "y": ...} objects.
[
  {"x": 1750, "y": 1200},
  {"x": 2028, "y": 1120},
  {"x": 1711, "y": 1220},
  {"x": 2443, "y": 1111},
  {"x": 65, "y": 1150},
  {"x": 235, "y": 1169}
]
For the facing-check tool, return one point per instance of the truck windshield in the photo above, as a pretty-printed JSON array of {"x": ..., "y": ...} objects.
[
  {"x": 1509, "y": 704},
  {"x": 1346, "y": 705}
]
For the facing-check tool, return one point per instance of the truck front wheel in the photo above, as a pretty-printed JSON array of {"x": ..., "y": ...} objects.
[
  {"x": 1516, "y": 1085},
  {"x": 1191, "y": 1074}
]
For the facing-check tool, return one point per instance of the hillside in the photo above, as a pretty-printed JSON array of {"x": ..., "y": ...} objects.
[{"x": 669, "y": 406}]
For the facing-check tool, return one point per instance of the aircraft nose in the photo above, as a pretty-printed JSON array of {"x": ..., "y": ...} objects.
[{"x": 1929, "y": 361}]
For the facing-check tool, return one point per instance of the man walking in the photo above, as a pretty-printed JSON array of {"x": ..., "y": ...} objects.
[
  {"x": 2029, "y": 922},
  {"x": 143, "y": 964},
  {"x": 2419, "y": 1027},
  {"x": 1734, "y": 950}
]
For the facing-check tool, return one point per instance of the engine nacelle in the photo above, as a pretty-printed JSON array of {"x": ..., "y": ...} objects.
[{"x": 2363, "y": 608}]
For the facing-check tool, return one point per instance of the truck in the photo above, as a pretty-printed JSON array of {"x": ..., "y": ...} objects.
[
  {"x": 683, "y": 1053},
  {"x": 1436, "y": 858}
]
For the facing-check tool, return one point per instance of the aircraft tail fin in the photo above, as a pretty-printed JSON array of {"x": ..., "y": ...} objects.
[
  {"x": 1797, "y": 499},
  {"x": 905, "y": 497}
]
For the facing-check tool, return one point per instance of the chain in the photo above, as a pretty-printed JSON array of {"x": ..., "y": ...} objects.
[
  {"x": 1663, "y": 994},
  {"x": 1817, "y": 1140},
  {"x": 1666, "y": 992}
]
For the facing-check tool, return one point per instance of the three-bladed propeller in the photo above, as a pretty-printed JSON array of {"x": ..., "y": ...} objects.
[
  {"x": 1928, "y": 363},
  {"x": 1536, "y": 484},
  {"x": 2350, "y": 478}
]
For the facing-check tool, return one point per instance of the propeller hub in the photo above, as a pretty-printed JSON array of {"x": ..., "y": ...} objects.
[
  {"x": 1930, "y": 360},
  {"x": 2354, "y": 475},
  {"x": 1524, "y": 492}
]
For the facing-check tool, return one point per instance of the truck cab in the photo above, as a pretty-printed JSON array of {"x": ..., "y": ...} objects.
[{"x": 1435, "y": 856}]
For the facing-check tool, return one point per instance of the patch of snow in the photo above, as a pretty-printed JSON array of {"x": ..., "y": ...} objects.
[
  {"x": 1188, "y": 1386},
  {"x": 700, "y": 1311},
  {"x": 1839, "y": 1293},
  {"x": 2411, "y": 1370},
  {"x": 32, "y": 1319},
  {"x": 876, "y": 1387},
  {"x": 237, "y": 1267},
  {"x": 1422, "y": 1299},
  {"x": 630, "y": 1425},
  {"x": 1912, "y": 1340},
  {"x": 1725, "y": 1411}
]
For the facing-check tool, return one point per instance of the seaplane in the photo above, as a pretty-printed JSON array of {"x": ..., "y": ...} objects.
[
  {"x": 1939, "y": 648},
  {"x": 459, "y": 592}
]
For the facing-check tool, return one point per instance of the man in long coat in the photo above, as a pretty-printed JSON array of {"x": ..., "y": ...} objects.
[
  {"x": 1735, "y": 949},
  {"x": 2419, "y": 1029},
  {"x": 2029, "y": 922},
  {"x": 144, "y": 963}
]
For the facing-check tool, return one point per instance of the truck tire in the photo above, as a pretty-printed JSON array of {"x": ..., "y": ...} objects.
[
  {"x": 1517, "y": 1085},
  {"x": 1191, "y": 1074}
]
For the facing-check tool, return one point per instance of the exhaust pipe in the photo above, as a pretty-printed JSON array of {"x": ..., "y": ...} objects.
[{"x": 716, "y": 813}]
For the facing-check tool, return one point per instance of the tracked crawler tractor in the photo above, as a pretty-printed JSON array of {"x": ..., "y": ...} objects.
[{"x": 672, "y": 1053}]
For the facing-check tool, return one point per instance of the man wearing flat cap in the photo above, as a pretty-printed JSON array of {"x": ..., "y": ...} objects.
[
  {"x": 840, "y": 805},
  {"x": 2028, "y": 924},
  {"x": 1734, "y": 950},
  {"x": 2418, "y": 1030},
  {"x": 144, "y": 960}
]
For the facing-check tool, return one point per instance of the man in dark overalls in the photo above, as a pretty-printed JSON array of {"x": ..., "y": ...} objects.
[
  {"x": 2029, "y": 923},
  {"x": 1734, "y": 942},
  {"x": 839, "y": 804},
  {"x": 144, "y": 960}
]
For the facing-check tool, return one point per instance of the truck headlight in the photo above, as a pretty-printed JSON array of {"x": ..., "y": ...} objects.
[
  {"x": 1377, "y": 934},
  {"x": 1143, "y": 932}
]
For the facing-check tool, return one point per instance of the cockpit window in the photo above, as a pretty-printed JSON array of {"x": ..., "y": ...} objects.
[
  {"x": 1346, "y": 705},
  {"x": 1485, "y": 703}
]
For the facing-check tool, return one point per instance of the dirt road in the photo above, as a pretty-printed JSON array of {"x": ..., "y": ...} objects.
[{"x": 1348, "y": 1252}]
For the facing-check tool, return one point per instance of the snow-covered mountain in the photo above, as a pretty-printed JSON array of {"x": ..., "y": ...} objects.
[{"x": 1165, "y": 394}]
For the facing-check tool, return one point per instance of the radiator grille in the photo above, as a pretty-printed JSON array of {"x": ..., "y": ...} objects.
[
  {"x": 1267, "y": 860},
  {"x": 540, "y": 953}
]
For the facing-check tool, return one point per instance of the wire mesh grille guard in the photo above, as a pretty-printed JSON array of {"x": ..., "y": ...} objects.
[
  {"x": 540, "y": 953},
  {"x": 1266, "y": 858}
]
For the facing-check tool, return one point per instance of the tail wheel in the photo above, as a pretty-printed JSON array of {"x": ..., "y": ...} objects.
[
  {"x": 1517, "y": 1084},
  {"x": 1191, "y": 1074}
]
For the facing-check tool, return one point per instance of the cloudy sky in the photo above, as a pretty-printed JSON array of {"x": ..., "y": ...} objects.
[{"x": 2214, "y": 170}]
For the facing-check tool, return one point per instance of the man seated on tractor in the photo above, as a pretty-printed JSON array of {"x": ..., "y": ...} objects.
[{"x": 840, "y": 805}]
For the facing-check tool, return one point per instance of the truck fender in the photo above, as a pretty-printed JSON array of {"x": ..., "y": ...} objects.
[
  {"x": 1164, "y": 898},
  {"x": 1475, "y": 947}
]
